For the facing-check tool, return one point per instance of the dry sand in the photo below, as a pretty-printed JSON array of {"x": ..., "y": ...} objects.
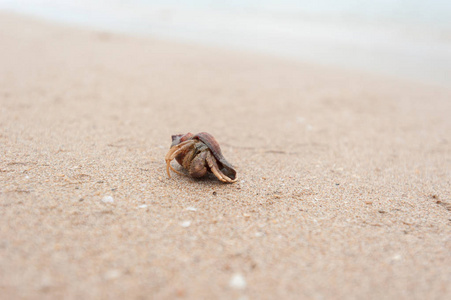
[{"x": 344, "y": 178}]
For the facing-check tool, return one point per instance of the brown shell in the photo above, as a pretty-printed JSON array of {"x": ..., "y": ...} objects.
[
  {"x": 179, "y": 138},
  {"x": 213, "y": 145}
]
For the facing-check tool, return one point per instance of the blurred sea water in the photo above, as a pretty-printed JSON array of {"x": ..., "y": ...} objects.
[{"x": 400, "y": 38}]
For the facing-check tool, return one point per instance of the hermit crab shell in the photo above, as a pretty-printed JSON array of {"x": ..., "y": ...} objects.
[
  {"x": 213, "y": 145},
  {"x": 179, "y": 138}
]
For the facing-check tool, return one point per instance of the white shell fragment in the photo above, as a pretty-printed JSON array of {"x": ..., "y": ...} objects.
[
  {"x": 190, "y": 208},
  {"x": 185, "y": 224},
  {"x": 112, "y": 274},
  {"x": 107, "y": 199},
  {"x": 238, "y": 282}
]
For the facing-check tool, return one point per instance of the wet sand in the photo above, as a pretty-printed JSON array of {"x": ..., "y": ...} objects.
[{"x": 343, "y": 189}]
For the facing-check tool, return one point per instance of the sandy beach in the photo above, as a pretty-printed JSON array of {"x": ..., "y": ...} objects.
[{"x": 343, "y": 187}]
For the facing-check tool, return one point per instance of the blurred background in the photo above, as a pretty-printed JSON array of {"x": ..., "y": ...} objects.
[{"x": 408, "y": 39}]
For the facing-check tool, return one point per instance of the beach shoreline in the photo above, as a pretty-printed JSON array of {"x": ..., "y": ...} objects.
[
  {"x": 403, "y": 43},
  {"x": 343, "y": 177}
]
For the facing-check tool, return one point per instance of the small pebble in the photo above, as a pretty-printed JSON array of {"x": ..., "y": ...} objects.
[
  {"x": 142, "y": 206},
  {"x": 397, "y": 257},
  {"x": 300, "y": 119},
  {"x": 259, "y": 234},
  {"x": 46, "y": 283},
  {"x": 190, "y": 208},
  {"x": 112, "y": 274},
  {"x": 107, "y": 199},
  {"x": 185, "y": 224},
  {"x": 237, "y": 281}
]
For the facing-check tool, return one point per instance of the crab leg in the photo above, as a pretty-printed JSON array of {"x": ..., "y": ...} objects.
[
  {"x": 215, "y": 169},
  {"x": 173, "y": 152}
]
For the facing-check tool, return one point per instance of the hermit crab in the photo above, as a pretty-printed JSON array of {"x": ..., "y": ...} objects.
[{"x": 199, "y": 154}]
